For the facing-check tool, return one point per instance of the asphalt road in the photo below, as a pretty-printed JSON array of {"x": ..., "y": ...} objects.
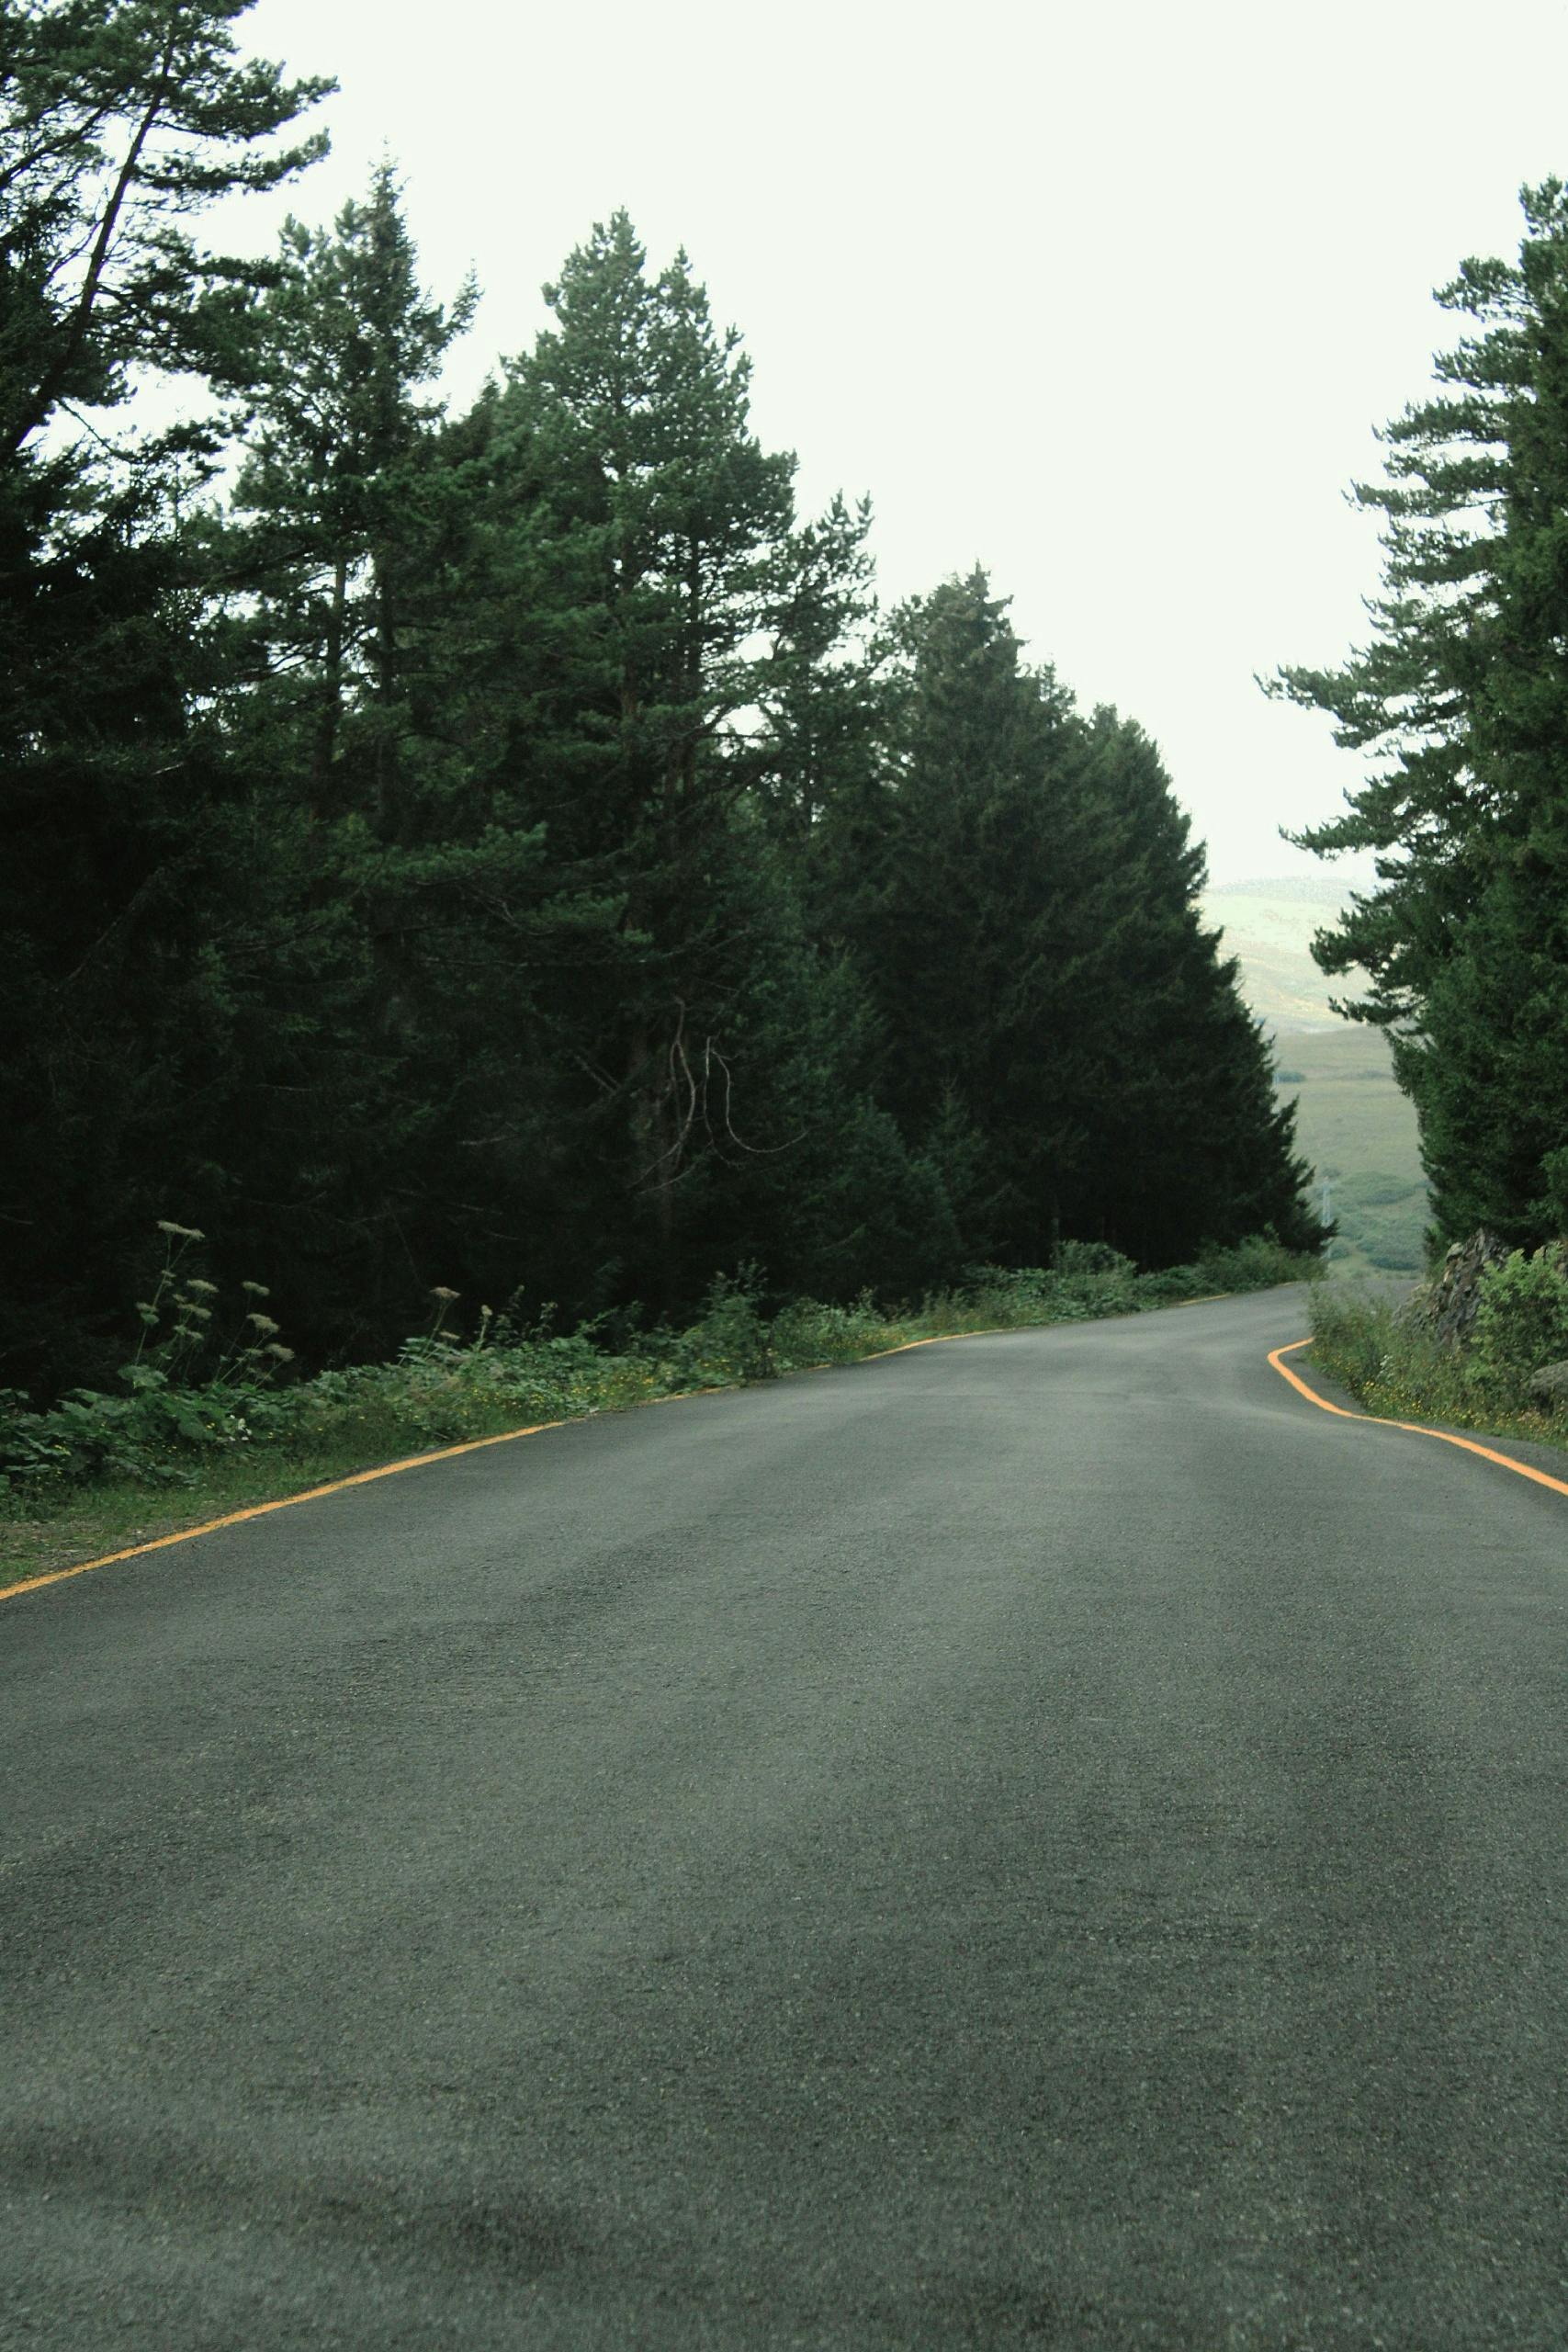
[{"x": 1044, "y": 1841}]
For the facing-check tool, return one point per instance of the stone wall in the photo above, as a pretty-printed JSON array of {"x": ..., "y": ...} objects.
[{"x": 1448, "y": 1304}]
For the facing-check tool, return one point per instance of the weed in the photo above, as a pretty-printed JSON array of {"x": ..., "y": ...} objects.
[
  {"x": 202, "y": 1387},
  {"x": 1388, "y": 1356}
]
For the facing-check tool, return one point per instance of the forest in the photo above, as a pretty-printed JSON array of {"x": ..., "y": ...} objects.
[
  {"x": 1457, "y": 706},
  {"x": 514, "y": 852}
]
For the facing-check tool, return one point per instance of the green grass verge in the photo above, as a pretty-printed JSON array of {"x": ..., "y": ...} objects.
[
  {"x": 1391, "y": 1364},
  {"x": 99, "y": 1474}
]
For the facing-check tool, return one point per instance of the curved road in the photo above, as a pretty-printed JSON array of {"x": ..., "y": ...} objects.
[{"x": 1044, "y": 1840}]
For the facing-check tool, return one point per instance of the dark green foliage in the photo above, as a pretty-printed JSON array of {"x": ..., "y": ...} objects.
[
  {"x": 510, "y": 852},
  {"x": 1387, "y": 1352},
  {"x": 1057, "y": 1032},
  {"x": 228, "y": 1432},
  {"x": 1462, "y": 698},
  {"x": 118, "y": 124},
  {"x": 338, "y": 515},
  {"x": 122, "y": 119}
]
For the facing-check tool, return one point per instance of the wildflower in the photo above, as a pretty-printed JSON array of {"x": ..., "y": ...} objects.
[
  {"x": 264, "y": 1324},
  {"x": 257, "y": 1290},
  {"x": 439, "y": 1290},
  {"x": 181, "y": 1232},
  {"x": 278, "y": 1355},
  {"x": 202, "y": 1290}
]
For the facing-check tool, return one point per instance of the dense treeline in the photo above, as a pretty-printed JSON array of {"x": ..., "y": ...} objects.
[
  {"x": 1461, "y": 700},
  {"x": 513, "y": 849}
]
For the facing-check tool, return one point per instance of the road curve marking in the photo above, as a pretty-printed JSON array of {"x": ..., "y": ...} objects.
[
  {"x": 387, "y": 1470},
  {"x": 474, "y": 1445},
  {"x": 390, "y": 1470},
  {"x": 284, "y": 1502},
  {"x": 1411, "y": 1429},
  {"x": 1004, "y": 1330}
]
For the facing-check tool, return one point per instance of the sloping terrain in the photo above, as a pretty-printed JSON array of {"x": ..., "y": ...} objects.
[
  {"x": 1268, "y": 927},
  {"x": 1046, "y": 1841},
  {"x": 1354, "y": 1126},
  {"x": 1358, "y": 1133}
]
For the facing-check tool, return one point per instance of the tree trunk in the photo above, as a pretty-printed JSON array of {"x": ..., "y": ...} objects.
[{"x": 325, "y": 754}]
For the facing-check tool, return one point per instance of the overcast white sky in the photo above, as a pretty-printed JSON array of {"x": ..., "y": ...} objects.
[{"x": 1107, "y": 297}]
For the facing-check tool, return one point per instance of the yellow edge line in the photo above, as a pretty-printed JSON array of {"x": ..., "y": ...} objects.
[
  {"x": 472, "y": 1445},
  {"x": 1411, "y": 1429},
  {"x": 390, "y": 1470},
  {"x": 937, "y": 1340},
  {"x": 1002, "y": 1331},
  {"x": 387, "y": 1470},
  {"x": 284, "y": 1502}
]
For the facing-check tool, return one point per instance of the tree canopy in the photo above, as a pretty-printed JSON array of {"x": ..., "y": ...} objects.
[
  {"x": 1460, "y": 701},
  {"x": 513, "y": 849}
]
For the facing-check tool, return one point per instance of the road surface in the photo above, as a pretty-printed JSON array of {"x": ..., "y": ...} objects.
[{"x": 1043, "y": 1840}]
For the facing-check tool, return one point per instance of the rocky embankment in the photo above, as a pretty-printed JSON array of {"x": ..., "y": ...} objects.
[{"x": 1448, "y": 1306}]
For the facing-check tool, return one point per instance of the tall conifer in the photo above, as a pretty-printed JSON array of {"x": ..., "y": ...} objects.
[{"x": 1460, "y": 702}]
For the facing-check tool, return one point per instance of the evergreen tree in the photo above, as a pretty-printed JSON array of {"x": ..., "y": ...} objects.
[
  {"x": 119, "y": 124},
  {"x": 122, "y": 120},
  {"x": 1189, "y": 1144},
  {"x": 1461, "y": 700},
  {"x": 666, "y": 596},
  {"x": 402, "y": 984},
  {"x": 1060, "y": 1035},
  {"x": 334, "y": 503},
  {"x": 821, "y": 694},
  {"x": 511, "y": 852}
]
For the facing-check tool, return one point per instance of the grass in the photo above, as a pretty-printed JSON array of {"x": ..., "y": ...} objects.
[
  {"x": 1355, "y": 1126},
  {"x": 1270, "y": 926},
  {"x": 1382, "y": 1351},
  {"x": 1359, "y": 1132},
  {"x": 113, "y": 1515},
  {"x": 99, "y": 1475}
]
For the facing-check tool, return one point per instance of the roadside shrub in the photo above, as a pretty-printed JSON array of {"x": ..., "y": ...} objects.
[
  {"x": 203, "y": 1379},
  {"x": 1006, "y": 1295},
  {"x": 1083, "y": 1261},
  {"x": 1356, "y": 1336},
  {"x": 1257, "y": 1263},
  {"x": 730, "y": 1341},
  {"x": 809, "y": 1332},
  {"x": 1521, "y": 1320},
  {"x": 1389, "y": 1357},
  {"x": 196, "y": 1379},
  {"x": 1169, "y": 1284}
]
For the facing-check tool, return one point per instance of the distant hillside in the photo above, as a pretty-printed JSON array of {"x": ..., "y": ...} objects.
[
  {"x": 1268, "y": 926},
  {"x": 1353, "y": 1125},
  {"x": 1358, "y": 1132}
]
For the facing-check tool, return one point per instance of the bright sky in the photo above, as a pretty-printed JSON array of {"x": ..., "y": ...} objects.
[{"x": 1109, "y": 298}]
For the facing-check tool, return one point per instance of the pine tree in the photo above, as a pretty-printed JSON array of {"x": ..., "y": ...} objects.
[
  {"x": 119, "y": 124},
  {"x": 1189, "y": 1145},
  {"x": 352, "y": 561},
  {"x": 1060, "y": 1035},
  {"x": 974, "y": 939},
  {"x": 653, "y": 538},
  {"x": 124, "y": 118},
  {"x": 1462, "y": 699},
  {"x": 333, "y": 504}
]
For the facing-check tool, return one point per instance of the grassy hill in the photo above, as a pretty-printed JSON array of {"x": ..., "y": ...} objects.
[
  {"x": 1268, "y": 927},
  {"x": 1354, "y": 1126}
]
